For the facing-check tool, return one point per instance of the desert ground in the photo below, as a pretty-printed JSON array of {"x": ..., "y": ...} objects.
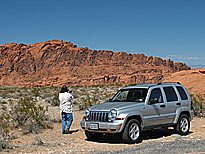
[{"x": 53, "y": 141}]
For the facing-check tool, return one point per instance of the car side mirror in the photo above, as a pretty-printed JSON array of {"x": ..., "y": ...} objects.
[{"x": 110, "y": 100}]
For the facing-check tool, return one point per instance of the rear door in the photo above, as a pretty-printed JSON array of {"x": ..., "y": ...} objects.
[{"x": 172, "y": 102}]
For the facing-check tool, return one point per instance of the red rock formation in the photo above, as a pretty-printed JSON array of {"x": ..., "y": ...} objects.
[
  {"x": 54, "y": 63},
  {"x": 193, "y": 80}
]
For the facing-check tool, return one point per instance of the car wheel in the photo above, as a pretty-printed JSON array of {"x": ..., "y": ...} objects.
[
  {"x": 132, "y": 132},
  {"x": 93, "y": 136},
  {"x": 183, "y": 125}
]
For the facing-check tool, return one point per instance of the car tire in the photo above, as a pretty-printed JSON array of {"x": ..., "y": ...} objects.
[
  {"x": 93, "y": 136},
  {"x": 183, "y": 125},
  {"x": 132, "y": 132}
]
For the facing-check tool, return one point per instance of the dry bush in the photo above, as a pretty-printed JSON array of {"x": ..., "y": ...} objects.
[{"x": 198, "y": 103}]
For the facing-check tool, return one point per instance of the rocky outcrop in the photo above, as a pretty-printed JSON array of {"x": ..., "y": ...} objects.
[
  {"x": 57, "y": 62},
  {"x": 193, "y": 80}
]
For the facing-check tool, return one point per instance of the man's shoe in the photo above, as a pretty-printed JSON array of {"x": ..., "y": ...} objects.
[
  {"x": 64, "y": 132},
  {"x": 68, "y": 132}
]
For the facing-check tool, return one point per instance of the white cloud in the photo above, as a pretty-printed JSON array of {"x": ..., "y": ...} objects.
[
  {"x": 166, "y": 57},
  {"x": 175, "y": 55},
  {"x": 192, "y": 58},
  {"x": 198, "y": 66},
  {"x": 184, "y": 57}
]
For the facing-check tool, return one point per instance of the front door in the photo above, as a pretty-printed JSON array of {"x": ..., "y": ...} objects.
[{"x": 155, "y": 109}]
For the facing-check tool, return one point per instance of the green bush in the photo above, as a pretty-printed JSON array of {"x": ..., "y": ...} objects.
[
  {"x": 26, "y": 111},
  {"x": 198, "y": 103},
  {"x": 5, "y": 121},
  {"x": 91, "y": 100},
  {"x": 5, "y": 124},
  {"x": 36, "y": 91},
  {"x": 55, "y": 100}
]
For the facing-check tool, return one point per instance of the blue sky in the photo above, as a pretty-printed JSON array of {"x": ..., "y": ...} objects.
[{"x": 170, "y": 29}]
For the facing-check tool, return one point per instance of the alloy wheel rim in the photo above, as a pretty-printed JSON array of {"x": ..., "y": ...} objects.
[
  {"x": 184, "y": 125},
  {"x": 134, "y": 131}
]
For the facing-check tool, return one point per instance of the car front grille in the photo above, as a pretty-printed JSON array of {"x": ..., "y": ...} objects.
[{"x": 98, "y": 116}]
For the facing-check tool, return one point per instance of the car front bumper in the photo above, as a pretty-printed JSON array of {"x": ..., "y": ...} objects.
[{"x": 102, "y": 127}]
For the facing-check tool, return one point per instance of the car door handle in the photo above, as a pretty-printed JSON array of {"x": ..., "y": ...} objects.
[
  {"x": 162, "y": 105},
  {"x": 178, "y": 104}
]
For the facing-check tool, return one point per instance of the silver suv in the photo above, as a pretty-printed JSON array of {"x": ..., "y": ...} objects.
[{"x": 139, "y": 108}]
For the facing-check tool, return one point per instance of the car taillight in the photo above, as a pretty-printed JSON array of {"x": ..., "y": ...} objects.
[{"x": 192, "y": 105}]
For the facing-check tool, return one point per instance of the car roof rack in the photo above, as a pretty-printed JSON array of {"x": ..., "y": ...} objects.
[
  {"x": 143, "y": 84},
  {"x": 148, "y": 84},
  {"x": 168, "y": 83}
]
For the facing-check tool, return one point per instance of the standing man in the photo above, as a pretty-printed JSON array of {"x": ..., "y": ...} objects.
[{"x": 66, "y": 110}]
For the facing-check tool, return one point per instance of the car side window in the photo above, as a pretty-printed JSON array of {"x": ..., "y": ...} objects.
[
  {"x": 156, "y": 96},
  {"x": 182, "y": 93},
  {"x": 170, "y": 94}
]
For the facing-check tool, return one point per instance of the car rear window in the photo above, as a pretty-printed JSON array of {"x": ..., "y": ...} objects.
[
  {"x": 182, "y": 93},
  {"x": 170, "y": 94}
]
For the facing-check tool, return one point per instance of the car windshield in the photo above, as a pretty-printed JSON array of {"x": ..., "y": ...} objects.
[{"x": 130, "y": 95}]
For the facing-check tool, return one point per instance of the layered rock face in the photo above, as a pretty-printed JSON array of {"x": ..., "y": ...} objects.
[{"x": 57, "y": 62}]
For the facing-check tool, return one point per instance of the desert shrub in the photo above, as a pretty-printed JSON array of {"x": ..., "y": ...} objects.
[
  {"x": 38, "y": 141},
  {"x": 119, "y": 85},
  {"x": 108, "y": 95},
  {"x": 5, "y": 121},
  {"x": 87, "y": 101},
  {"x": 55, "y": 119},
  {"x": 26, "y": 111},
  {"x": 55, "y": 88},
  {"x": 95, "y": 95},
  {"x": 55, "y": 100},
  {"x": 3, "y": 93},
  {"x": 5, "y": 124},
  {"x": 36, "y": 91},
  {"x": 198, "y": 103},
  {"x": 90, "y": 100}
]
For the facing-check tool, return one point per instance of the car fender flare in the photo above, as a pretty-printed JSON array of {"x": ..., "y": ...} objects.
[
  {"x": 133, "y": 114},
  {"x": 179, "y": 111}
]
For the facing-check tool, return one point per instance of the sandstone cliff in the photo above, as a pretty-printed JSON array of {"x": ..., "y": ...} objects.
[
  {"x": 57, "y": 62},
  {"x": 193, "y": 80}
]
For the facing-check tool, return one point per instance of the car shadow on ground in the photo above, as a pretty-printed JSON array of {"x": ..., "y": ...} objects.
[{"x": 148, "y": 135}]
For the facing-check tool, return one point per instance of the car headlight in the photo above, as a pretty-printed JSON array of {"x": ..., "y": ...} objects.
[
  {"x": 86, "y": 114},
  {"x": 112, "y": 115}
]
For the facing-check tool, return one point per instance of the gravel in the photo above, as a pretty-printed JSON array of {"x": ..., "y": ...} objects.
[{"x": 177, "y": 146}]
